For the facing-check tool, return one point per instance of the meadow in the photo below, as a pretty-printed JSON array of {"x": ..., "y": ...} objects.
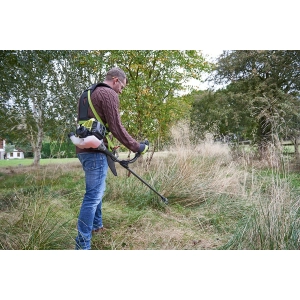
[{"x": 217, "y": 200}]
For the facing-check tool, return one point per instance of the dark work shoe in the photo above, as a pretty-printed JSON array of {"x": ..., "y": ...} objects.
[{"x": 99, "y": 230}]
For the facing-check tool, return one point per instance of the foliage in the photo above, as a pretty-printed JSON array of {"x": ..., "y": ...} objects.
[
  {"x": 151, "y": 103},
  {"x": 39, "y": 91},
  {"x": 263, "y": 90},
  {"x": 9, "y": 148},
  {"x": 223, "y": 114},
  {"x": 28, "y": 93},
  {"x": 58, "y": 150}
]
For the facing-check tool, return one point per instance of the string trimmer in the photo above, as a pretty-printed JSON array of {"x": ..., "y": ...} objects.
[{"x": 93, "y": 138}]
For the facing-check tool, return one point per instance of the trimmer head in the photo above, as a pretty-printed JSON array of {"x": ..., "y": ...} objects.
[{"x": 165, "y": 200}]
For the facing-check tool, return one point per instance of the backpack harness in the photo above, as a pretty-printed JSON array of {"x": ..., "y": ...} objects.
[{"x": 83, "y": 106}]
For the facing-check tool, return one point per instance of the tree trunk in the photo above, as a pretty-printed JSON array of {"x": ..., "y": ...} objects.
[
  {"x": 37, "y": 148},
  {"x": 37, "y": 156},
  {"x": 38, "y": 141}
]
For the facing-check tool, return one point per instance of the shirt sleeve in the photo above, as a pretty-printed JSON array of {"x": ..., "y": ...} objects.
[{"x": 106, "y": 103}]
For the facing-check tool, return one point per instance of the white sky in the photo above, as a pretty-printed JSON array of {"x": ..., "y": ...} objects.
[
  {"x": 213, "y": 53},
  {"x": 210, "y": 55}
]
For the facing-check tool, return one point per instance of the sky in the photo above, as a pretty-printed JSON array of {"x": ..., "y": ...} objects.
[{"x": 210, "y": 55}]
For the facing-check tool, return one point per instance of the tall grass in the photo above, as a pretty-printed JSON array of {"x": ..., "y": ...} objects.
[
  {"x": 188, "y": 174},
  {"x": 216, "y": 201},
  {"x": 273, "y": 223},
  {"x": 35, "y": 225},
  {"x": 37, "y": 213}
]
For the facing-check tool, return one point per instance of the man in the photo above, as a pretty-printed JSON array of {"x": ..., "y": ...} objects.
[{"x": 94, "y": 163}]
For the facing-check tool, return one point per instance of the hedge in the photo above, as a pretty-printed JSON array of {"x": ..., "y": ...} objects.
[{"x": 58, "y": 150}]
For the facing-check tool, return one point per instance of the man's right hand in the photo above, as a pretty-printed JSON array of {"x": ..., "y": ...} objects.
[{"x": 144, "y": 147}]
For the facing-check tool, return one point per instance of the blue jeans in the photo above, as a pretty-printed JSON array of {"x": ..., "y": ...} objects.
[{"x": 90, "y": 216}]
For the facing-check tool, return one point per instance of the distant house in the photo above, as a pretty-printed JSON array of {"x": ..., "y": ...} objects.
[{"x": 16, "y": 153}]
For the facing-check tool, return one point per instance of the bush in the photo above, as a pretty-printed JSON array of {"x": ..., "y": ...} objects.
[{"x": 58, "y": 150}]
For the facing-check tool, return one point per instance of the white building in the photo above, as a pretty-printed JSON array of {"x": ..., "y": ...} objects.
[{"x": 19, "y": 154}]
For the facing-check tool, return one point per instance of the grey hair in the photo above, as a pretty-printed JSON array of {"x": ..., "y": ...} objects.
[{"x": 116, "y": 72}]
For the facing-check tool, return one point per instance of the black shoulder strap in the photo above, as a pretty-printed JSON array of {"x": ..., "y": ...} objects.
[{"x": 83, "y": 103}]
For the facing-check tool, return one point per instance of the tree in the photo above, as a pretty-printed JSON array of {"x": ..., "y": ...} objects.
[
  {"x": 37, "y": 92},
  {"x": 268, "y": 82},
  {"x": 151, "y": 103}
]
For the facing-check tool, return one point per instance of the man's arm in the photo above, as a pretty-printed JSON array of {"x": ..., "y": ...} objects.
[{"x": 106, "y": 103}]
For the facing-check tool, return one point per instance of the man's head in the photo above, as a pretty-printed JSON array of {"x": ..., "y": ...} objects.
[{"x": 116, "y": 79}]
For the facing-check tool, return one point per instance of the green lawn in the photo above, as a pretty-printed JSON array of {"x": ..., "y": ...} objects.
[{"x": 29, "y": 161}]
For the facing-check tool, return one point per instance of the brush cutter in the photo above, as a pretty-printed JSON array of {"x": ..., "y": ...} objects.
[
  {"x": 111, "y": 158},
  {"x": 90, "y": 135}
]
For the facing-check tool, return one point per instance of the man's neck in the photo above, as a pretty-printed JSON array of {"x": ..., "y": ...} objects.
[{"x": 109, "y": 83}]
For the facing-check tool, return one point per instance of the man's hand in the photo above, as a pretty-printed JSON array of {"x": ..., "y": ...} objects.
[{"x": 144, "y": 147}]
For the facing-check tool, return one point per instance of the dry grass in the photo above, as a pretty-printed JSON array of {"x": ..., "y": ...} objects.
[
  {"x": 273, "y": 223},
  {"x": 215, "y": 202},
  {"x": 169, "y": 230},
  {"x": 191, "y": 174}
]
